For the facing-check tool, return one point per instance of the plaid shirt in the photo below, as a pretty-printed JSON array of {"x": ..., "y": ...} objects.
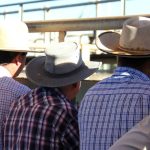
[
  {"x": 41, "y": 120},
  {"x": 113, "y": 106},
  {"x": 10, "y": 90}
]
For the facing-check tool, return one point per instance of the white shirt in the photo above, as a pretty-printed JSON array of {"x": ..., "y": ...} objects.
[{"x": 4, "y": 72}]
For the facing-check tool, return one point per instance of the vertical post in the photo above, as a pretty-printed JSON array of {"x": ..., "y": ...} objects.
[
  {"x": 46, "y": 11},
  {"x": 46, "y": 35},
  {"x": 4, "y": 15},
  {"x": 62, "y": 36},
  {"x": 123, "y": 6},
  {"x": 96, "y": 13},
  {"x": 21, "y": 11}
]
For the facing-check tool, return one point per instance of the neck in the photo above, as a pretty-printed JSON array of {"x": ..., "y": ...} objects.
[
  {"x": 70, "y": 91},
  {"x": 145, "y": 69},
  {"x": 141, "y": 64},
  {"x": 11, "y": 68}
]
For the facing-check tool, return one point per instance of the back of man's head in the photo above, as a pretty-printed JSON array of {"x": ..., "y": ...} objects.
[
  {"x": 7, "y": 57},
  {"x": 14, "y": 44},
  {"x": 141, "y": 64}
]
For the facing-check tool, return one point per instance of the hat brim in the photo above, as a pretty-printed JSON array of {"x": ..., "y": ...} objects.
[
  {"x": 36, "y": 73},
  {"x": 109, "y": 42},
  {"x": 34, "y": 48}
]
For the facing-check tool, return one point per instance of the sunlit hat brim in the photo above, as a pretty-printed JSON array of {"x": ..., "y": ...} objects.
[
  {"x": 35, "y": 48},
  {"x": 108, "y": 42},
  {"x": 36, "y": 73}
]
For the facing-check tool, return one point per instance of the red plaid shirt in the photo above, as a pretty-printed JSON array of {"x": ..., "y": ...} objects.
[{"x": 43, "y": 119}]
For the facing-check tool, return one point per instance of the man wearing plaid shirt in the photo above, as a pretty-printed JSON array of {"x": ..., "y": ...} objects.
[
  {"x": 114, "y": 105},
  {"x": 45, "y": 118}
]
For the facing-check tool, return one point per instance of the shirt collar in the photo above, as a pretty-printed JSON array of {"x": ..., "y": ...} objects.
[
  {"x": 4, "y": 72},
  {"x": 134, "y": 73}
]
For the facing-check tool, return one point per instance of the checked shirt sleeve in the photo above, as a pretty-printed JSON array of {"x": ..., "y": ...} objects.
[{"x": 70, "y": 137}]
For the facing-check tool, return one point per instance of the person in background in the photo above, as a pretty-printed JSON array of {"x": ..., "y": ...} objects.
[
  {"x": 114, "y": 105},
  {"x": 45, "y": 118},
  {"x": 137, "y": 138},
  {"x": 13, "y": 50}
]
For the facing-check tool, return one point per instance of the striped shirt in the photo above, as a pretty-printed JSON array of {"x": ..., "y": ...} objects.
[
  {"x": 112, "y": 106},
  {"x": 41, "y": 120},
  {"x": 10, "y": 90}
]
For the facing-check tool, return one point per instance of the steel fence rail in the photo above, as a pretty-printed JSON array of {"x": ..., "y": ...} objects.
[
  {"x": 100, "y": 23},
  {"x": 50, "y": 8}
]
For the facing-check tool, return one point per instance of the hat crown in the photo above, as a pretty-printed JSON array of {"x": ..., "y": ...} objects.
[
  {"x": 136, "y": 33},
  {"x": 13, "y": 36},
  {"x": 62, "y": 58}
]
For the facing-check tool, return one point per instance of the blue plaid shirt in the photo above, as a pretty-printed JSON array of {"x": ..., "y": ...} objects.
[
  {"x": 113, "y": 106},
  {"x": 10, "y": 90}
]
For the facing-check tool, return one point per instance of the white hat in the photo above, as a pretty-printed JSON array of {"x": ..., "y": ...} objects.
[
  {"x": 134, "y": 40},
  {"x": 61, "y": 66},
  {"x": 14, "y": 36}
]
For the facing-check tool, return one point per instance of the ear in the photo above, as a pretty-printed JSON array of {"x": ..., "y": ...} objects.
[
  {"x": 18, "y": 59},
  {"x": 77, "y": 85}
]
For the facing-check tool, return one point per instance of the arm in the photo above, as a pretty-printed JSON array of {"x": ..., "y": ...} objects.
[
  {"x": 138, "y": 138},
  {"x": 70, "y": 138}
]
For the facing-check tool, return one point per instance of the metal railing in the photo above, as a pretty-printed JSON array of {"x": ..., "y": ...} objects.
[
  {"x": 62, "y": 26},
  {"x": 21, "y": 11}
]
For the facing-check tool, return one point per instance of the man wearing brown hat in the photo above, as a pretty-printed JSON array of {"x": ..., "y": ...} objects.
[
  {"x": 45, "y": 118},
  {"x": 114, "y": 105},
  {"x": 13, "y": 50}
]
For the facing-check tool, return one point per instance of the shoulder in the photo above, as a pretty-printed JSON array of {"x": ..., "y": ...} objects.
[{"x": 10, "y": 84}]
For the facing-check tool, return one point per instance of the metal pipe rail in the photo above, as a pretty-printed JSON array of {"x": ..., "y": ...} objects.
[
  {"x": 76, "y": 24},
  {"x": 62, "y": 26},
  {"x": 53, "y": 7},
  {"x": 100, "y": 23},
  {"x": 22, "y": 3}
]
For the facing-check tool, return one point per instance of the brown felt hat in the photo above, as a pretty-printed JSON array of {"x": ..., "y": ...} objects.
[{"x": 132, "y": 42}]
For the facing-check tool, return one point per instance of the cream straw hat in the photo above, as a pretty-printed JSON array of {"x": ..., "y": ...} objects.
[{"x": 14, "y": 36}]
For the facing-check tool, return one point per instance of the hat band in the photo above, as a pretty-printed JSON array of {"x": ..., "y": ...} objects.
[
  {"x": 56, "y": 75},
  {"x": 53, "y": 67},
  {"x": 136, "y": 51}
]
